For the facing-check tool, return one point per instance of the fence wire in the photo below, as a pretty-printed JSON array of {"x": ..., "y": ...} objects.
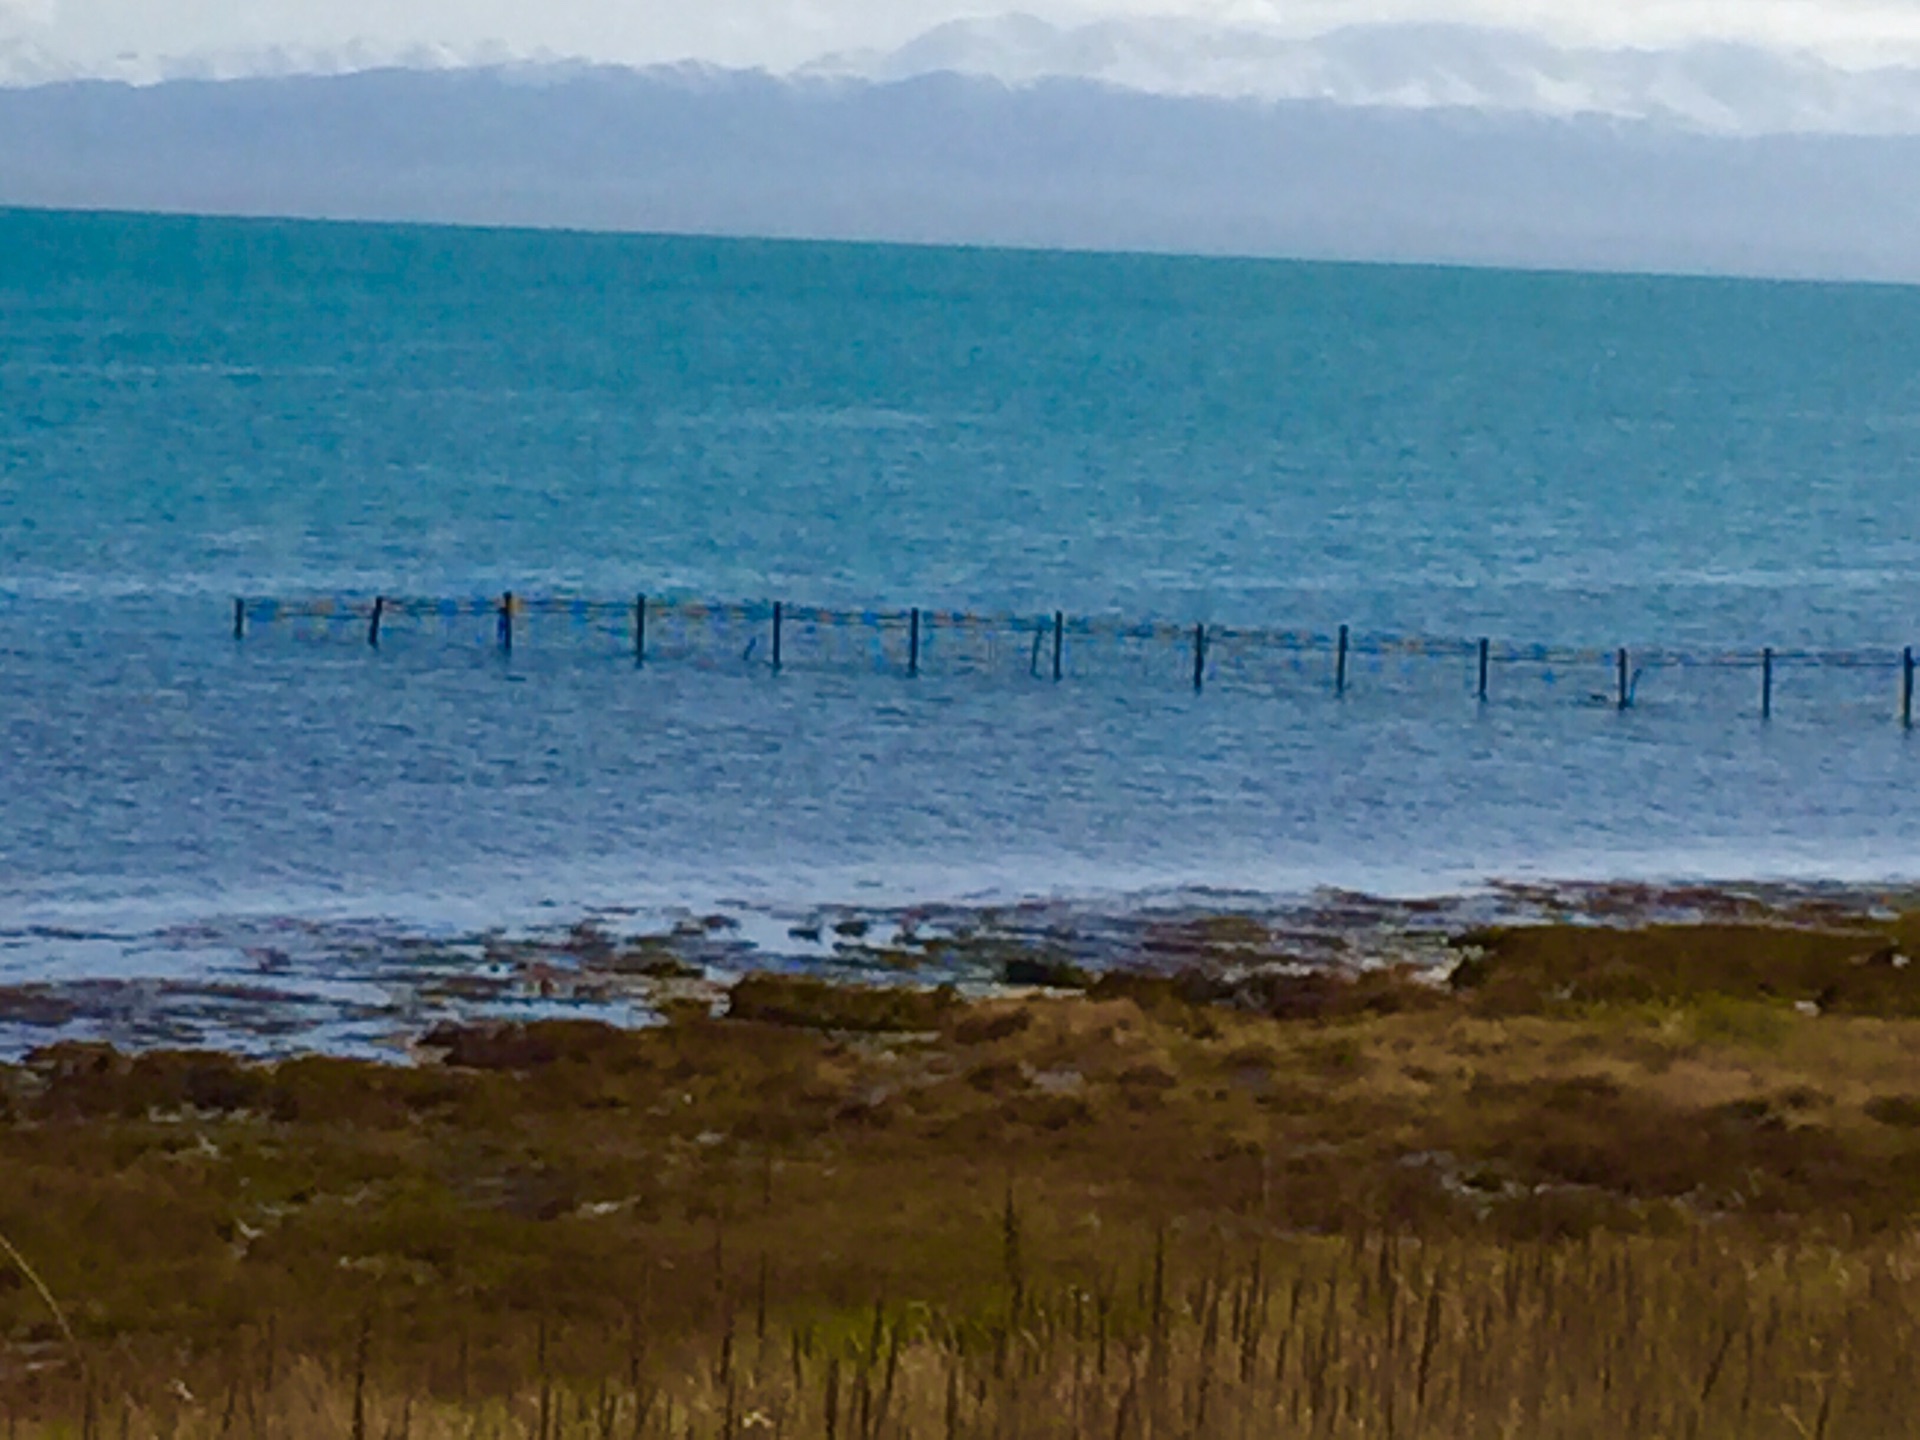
[{"x": 734, "y": 635}]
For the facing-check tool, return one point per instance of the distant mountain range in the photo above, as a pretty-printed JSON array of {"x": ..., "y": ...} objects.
[
  {"x": 27, "y": 61},
  {"x": 1721, "y": 88},
  {"x": 963, "y": 158}
]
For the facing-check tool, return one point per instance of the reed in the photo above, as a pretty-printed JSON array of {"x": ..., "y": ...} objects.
[{"x": 1371, "y": 1335}]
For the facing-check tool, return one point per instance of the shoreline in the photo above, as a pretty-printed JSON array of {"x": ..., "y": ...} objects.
[
  {"x": 1703, "y": 1141},
  {"x": 274, "y": 985}
]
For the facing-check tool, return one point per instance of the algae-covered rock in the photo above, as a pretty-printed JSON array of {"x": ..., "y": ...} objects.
[
  {"x": 1900, "y": 1111},
  {"x": 652, "y": 962},
  {"x": 823, "y": 1005},
  {"x": 1044, "y": 972},
  {"x": 36, "y": 1005},
  {"x": 507, "y": 1046},
  {"x": 1532, "y": 968},
  {"x": 1158, "y": 994},
  {"x": 983, "y": 1027},
  {"x": 1321, "y": 993},
  {"x": 95, "y": 1080},
  {"x": 1326, "y": 994}
]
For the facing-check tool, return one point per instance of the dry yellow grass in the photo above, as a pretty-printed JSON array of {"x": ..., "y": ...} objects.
[
  {"x": 1374, "y": 1208},
  {"x": 1369, "y": 1337}
]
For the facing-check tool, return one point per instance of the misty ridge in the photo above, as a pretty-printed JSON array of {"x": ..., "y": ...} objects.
[
  {"x": 1408, "y": 143},
  {"x": 1720, "y": 87}
]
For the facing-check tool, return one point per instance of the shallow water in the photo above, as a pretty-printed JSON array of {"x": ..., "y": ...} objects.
[{"x": 191, "y": 410}]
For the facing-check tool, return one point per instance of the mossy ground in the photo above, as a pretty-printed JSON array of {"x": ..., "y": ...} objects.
[{"x": 564, "y": 1188}]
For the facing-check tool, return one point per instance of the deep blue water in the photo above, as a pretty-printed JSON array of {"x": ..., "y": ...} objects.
[{"x": 193, "y": 409}]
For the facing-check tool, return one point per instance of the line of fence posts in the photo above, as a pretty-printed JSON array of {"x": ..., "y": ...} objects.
[{"x": 1342, "y": 649}]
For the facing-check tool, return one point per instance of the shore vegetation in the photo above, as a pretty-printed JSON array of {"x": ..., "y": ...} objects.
[{"x": 1596, "y": 1181}]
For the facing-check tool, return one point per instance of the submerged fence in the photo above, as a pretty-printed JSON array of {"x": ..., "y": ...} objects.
[{"x": 1055, "y": 647}]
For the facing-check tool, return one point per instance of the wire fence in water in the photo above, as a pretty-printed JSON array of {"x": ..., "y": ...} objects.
[{"x": 773, "y": 635}]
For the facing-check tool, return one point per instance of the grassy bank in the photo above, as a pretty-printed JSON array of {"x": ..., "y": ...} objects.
[{"x": 1606, "y": 1182}]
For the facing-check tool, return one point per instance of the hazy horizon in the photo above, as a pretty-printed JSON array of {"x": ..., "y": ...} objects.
[
  {"x": 1072, "y": 164},
  {"x": 1012, "y": 248}
]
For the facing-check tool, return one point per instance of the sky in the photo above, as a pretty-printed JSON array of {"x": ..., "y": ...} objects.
[{"x": 95, "y": 34}]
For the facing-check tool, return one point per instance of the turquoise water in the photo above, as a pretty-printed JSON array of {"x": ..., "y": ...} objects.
[{"x": 191, "y": 410}]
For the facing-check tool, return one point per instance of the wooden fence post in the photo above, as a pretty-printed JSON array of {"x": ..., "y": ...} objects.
[
  {"x": 1620, "y": 665},
  {"x": 913, "y": 644},
  {"x": 1906, "y": 687},
  {"x": 640, "y": 629},
  {"x": 1199, "y": 658},
  {"x": 373, "y": 624},
  {"x": 1059, "y": 640},
  {"x": 506, "y": 623},
  {"x": 1766, "y": 683},
  {"x": 779, "y": 612},
  {"x": 239, "y": 618},
  {"x": 1486, "y": 655},
  {"x": 1340, "y": 663}
]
